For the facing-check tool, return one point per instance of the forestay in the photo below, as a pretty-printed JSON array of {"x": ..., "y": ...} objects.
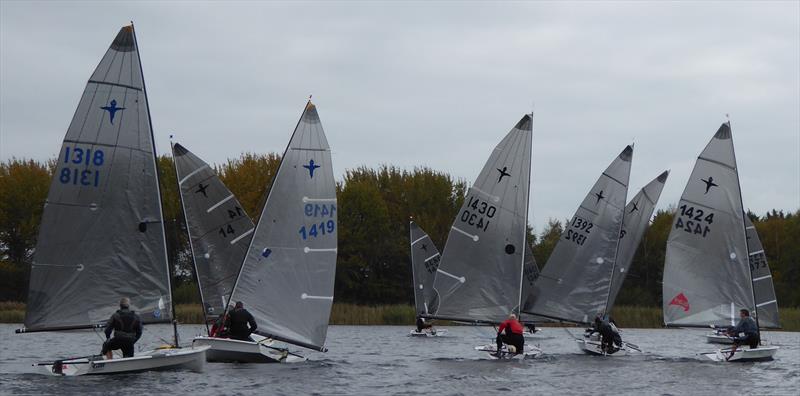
[
  {"x": 575, "y": 283},
  {"x": 481, "y": 268},
  {"x": 635, "y": 221},
  {"x": 424, "y": 262},
  {"x": 219, "y": 229},
  {"x": 102, "y": 235},
  {"x": 287, "y": 277},
  {"x": 706, "y": 273},
  {"x": 766, "y": 301}
]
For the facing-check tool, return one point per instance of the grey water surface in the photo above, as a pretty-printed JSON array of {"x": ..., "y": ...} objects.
[{"x": 380, "y": 360}]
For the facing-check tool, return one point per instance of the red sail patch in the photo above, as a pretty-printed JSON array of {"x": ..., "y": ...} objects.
[{"x": 681, "y": 301}]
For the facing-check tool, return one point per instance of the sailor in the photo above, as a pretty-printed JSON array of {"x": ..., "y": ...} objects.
[
  {"x": 218, "y": 329},
  {"x": 127, "y": 328},
  {"x": 510, "y": 332},
  {"x": 422, "y": 325},
  {"x": 747, "y": 326},
  {"x": 240, "y": 323},
  {"x": 531, "y": 327},
  {"x": 611, "y": 341}
]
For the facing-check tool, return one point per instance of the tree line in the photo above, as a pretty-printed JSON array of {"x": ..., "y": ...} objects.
[{"x": 375, "y": 205}]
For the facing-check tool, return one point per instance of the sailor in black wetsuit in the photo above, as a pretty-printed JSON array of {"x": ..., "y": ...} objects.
[
  {"x": 240, "y": 323},
  {"x": 127, "y": 328}
]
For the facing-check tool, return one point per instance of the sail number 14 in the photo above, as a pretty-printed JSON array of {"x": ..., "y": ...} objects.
[
  {"x": 694, "y": 220},
  {"x": 322, "y": 227}
]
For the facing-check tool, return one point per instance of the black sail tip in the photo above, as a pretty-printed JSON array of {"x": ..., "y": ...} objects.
[
  {"x": 662, "y": 178},
  {"x": 178, "y": 150},
  {"x": 525, "y": 124},
  {"x": 724, "y": 132},
  {"x": 626, "y": 154},
  {"x": 311, "y": 114},
  {"x": 124, "y": 41}
]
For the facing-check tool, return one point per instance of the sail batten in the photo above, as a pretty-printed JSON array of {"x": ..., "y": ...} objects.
[
  {"x": 286, "y": 279},
  {"x": 480, "y": 273},
  {"x": 102, "y": 235},
  {"x": 575, "y": 283}
]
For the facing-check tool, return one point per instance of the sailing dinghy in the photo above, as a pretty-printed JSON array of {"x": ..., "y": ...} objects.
[
  {"x": 286, "y": 278},
  {"x": 707, "y": 276},
  {"x": 101, "y": 236},
  {"x": 219, "y": 233},
  {"x": 575, "y": 284},
  {"x": 764, "y": 290},
  {"x": 479, "y": 279},
  {"x": 424, "y": 263}
]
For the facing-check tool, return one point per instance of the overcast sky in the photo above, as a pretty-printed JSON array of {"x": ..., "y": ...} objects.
[{"x": 435, "y": 84}]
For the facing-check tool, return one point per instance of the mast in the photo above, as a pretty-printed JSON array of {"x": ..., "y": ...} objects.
[
  {"x": 744, "y": 230},
  {"x": 158, "y": 190},
  {"x": 525, "y": 230},
  {"x": 188, "y": 232}
]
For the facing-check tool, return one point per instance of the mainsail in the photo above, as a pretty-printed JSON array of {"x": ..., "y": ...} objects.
[
  {"x": 575, "y": 283},
  {"x": 219, "y": 229},
  {"x": 424, "y": 263},
  {"x": 706, "y": 273},
  {"x": 634, "y": 224},
  {"x": 479, "y": 277},
  {"x": 286, "y": 280},
  {"x": 102, "y": 236},
  {"x": 766, "y": 301}
]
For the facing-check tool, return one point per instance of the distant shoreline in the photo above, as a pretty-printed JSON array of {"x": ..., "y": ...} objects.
[{"x": 630, "y": 317}]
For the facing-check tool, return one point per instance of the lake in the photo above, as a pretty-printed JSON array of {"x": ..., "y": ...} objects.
[{"x": 377, "y": 360}]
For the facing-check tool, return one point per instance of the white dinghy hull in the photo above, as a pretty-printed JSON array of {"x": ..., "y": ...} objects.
[
  {"x": 529, "y": 353},
  {"x": 593, "y": 347},
  {"x": 715, "y": 338},
  {"x": 423, "y": 334},
  {"x": 743, "y": 354},
  {"x": 193, "y": 358},
  {"x": 226, "y": 350}
]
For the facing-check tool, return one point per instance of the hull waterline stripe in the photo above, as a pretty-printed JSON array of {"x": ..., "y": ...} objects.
[
  {"x": 246, "y": 233},
  {"x": 418, "y": 239},
  {"x": 473, "y": 237},
  {"x": 218, "y": 204},
  {"x": 194, "y": 172}
]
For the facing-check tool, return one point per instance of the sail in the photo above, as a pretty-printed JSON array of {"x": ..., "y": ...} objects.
[
  {"x": 530, "y": 273},
  {"x": 481, "y": 268},
  {"x": 286, "y": 280},
  {"x": 706, "y": 270},
  {"x": 766, "y": 301},
  {"x": 575, "y": 283},
  {"x": 424, "y": 262},
  {"x": 101, "y": 236},
  {"x": 637, "y": 217},
  {"x": 219, "y": 229}
]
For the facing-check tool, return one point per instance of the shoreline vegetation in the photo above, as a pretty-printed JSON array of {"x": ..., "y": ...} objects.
[{"x": 400, "y": 314}]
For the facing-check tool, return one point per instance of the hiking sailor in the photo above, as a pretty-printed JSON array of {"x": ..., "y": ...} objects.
[
  {"x": 240, "y": 323},
  {"x": 749, "y": 328},
  {"x": 422, "y": 325},
  {"x": 510, "y": 333},
  {"x": 127, "y": 328},
  {"x": 611, "y": 341}
]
